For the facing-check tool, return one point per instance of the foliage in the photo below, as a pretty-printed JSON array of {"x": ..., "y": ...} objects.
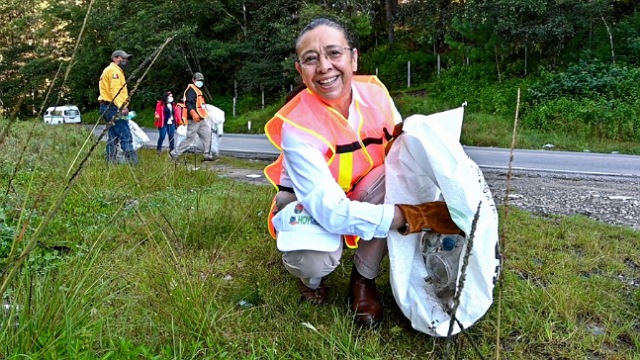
[
  {"x": 391, "y": 64},
  {"x": 425, "y": 24},
  {"x": 588, "y": 80},
  {"x": 628, "y": 29},
  {"x": 258, "y": 120},
  {"x": 591, "y": 98},
  {"x": 613, "y": 120},
  {"x": 475, "y": 85},
  {"x": 478, "y": 43},
  {"x": 7, "y": 234},
  {"x": 544, "y": 28}
]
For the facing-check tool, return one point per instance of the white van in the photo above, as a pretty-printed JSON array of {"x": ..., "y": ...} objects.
[{"x": 66, "y": 114}]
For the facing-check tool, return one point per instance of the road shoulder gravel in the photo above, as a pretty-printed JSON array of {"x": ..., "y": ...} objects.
[{"x": 609, "y": 199}]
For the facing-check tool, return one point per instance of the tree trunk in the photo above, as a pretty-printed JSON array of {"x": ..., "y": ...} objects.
[
  {"x": 391, "y": 6},
  {"x": 244, "y": 17},
  {"x": 613, "y": 55},
  {"x": 495, "y": 51},
  {"x": 526, "y": 57}
]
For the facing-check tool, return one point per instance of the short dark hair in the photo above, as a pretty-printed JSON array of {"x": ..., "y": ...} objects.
[{"x": 324, "y": 22}]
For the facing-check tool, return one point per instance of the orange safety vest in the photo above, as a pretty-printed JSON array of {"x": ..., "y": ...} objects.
[
  {"x": 199, "y": 104},
  {"x": 350, "y": 155}
]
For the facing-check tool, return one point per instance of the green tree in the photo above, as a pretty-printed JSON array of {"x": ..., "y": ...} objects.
[{"x": 31, "y": 45}]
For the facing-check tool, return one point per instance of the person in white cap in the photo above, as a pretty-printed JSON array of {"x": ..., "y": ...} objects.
[
  {"x": 194, "y": 111},
  {"x": 333, "y": 136},
  {"x": 113, "y": 96}
]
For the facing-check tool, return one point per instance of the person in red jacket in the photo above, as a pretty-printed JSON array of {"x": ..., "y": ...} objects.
[{"x": 167, "y": 118}]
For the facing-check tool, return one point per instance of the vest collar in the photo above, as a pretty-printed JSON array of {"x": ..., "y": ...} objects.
[{"x": 355, "y": 96}]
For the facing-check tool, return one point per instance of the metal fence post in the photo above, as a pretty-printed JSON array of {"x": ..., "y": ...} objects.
[{"x": 235, "y": 96}]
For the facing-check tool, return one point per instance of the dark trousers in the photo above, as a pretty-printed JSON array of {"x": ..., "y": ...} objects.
[
  {"x": 167, "y": 129},
  {"x": 119, "y": 133}
]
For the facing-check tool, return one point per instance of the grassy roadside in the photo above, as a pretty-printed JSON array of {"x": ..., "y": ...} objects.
[{"x": 160, "y": 261}]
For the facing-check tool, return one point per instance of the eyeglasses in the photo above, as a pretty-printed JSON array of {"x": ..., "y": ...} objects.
[{"x": 332, "y": 53}]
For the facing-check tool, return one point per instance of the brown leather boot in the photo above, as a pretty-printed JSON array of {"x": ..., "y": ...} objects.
[
  {"x": 364, "y": 300},
  {"x": 317, "y": 296}
]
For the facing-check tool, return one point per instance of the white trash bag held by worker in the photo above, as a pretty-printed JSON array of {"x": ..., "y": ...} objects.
[
  {"x": 138, "y": 135},
  {"x": 216, "y": 118},
  {"x": 181, "y": 134},
  {"x": 427, "y": 163}
]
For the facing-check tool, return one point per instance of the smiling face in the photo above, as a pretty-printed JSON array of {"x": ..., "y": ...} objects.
[{"x": 326, "y": 64}]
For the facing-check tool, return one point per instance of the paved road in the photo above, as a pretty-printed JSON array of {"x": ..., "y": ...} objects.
[
  {"x": 258, "y": 147},
  {"x": 536, "y": 160},
  {"x": 557, "y": 161}
]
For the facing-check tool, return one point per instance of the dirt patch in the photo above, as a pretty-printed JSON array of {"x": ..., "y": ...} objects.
[{"x": 251, "y": 176}]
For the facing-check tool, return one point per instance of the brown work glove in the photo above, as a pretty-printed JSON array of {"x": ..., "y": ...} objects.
[
  {"x": 195, "y": 116},
  {"x": 397, "y": 130},
  {"x": 432, "y": 215}
]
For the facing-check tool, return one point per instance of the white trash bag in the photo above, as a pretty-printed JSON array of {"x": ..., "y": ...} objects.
[
  {"x": 427, "y": 163},
  {"x": 215, "y": 121},
  {"x": 180, "y": 135},
  {"x": 139, "y": 136}
]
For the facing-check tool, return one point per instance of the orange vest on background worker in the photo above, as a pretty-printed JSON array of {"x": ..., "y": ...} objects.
[
  {"x": 350, "y": 155},
  {"x": 202, "y": 112}
]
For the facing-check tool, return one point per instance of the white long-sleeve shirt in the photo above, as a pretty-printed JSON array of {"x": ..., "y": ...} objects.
[{"x": 306, "y": 171}]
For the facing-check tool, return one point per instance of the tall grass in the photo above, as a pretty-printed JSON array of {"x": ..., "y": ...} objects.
[{"x": 165, "y": 261}]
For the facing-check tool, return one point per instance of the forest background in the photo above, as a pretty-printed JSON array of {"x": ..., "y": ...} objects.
[{"x": 575, "y": 61}]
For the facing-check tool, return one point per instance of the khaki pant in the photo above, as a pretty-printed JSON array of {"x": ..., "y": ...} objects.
[
  {"x": 201, "y": 129},
  {"x": 311, "y": 266}
]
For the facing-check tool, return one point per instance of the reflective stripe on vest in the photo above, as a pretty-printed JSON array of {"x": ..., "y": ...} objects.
[
  {"x": 350, "y": 155},
  {"x": 199, "y": 103}
]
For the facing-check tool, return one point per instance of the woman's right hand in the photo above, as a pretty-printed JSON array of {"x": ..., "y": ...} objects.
[{"x": 283, "y": 198}]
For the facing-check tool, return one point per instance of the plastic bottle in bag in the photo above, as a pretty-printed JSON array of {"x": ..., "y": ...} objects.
[{"x": 441, "y": 254}]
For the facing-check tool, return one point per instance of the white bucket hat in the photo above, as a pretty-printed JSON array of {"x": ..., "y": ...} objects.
[{"x": 298, "y": 230}]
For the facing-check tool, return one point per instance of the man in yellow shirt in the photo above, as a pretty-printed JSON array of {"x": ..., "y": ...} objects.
[{"x": 113, "y": 96}]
